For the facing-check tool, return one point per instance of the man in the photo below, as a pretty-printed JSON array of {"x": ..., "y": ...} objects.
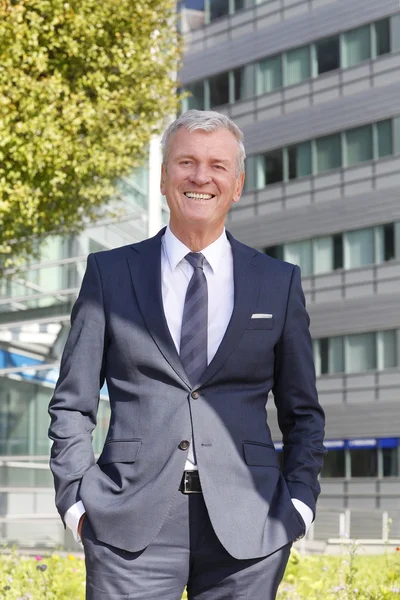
[{"x": 191, "y": 330}]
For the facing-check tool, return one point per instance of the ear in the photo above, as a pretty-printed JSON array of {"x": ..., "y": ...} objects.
[
  {"x": 162, "y": 181},
  {"x": 238, "y": 187}
]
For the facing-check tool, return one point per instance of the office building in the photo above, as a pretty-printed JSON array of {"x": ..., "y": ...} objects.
[
  {"x": 35, "y": 306},
  {"x": 315, "y": 87}
]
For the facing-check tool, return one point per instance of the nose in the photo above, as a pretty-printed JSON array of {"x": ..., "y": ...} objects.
[{"x": 200, "y": 175}]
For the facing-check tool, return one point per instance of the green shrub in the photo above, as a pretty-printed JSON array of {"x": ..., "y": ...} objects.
[{"x": 349, "y": 577}]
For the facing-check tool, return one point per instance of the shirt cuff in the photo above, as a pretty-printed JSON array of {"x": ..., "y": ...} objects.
[
  {"x": 305, "y": 512},
  {"x": 72, "y": 518}
]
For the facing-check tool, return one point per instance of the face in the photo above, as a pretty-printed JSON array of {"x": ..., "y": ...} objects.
[{"x": 200, "y": 181}]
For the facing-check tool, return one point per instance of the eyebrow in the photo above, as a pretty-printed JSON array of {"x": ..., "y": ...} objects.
[{"x": 219, "y": 160}]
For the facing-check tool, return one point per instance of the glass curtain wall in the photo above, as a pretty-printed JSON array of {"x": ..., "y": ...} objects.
[{"x": 24, "y": 420}]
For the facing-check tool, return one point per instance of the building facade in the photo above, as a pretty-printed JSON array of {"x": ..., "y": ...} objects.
[
  {"x": 35, "y": 307},
  {"x": 315, "y": 87}
]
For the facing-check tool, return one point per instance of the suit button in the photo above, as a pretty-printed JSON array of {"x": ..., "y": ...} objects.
[
  {"x": 184, "y": 445},
  {"x": 195, "y": 395}
]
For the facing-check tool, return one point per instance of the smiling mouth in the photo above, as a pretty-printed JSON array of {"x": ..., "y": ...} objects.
[{"x": 196, "y": 196}]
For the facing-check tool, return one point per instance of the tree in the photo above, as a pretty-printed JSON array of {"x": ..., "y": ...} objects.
[{"x": 84, "y": 84}]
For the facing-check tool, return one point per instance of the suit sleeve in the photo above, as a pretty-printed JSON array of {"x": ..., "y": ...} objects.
[
  {"x": 300, "y": 416},
  {"x": 73, "y": 407}
]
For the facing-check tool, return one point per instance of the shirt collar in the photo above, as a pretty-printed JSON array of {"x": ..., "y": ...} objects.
[{"x": 176, "y": 250}]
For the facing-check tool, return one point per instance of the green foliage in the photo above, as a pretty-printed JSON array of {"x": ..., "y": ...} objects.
[
  {"x": 347, "y": 577},
  {"x": 83, "y": 86},
  {"x": 350, "y": 577},
  {"x": 37, "y": 578}
]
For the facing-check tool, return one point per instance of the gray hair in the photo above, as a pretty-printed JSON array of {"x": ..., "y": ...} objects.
[{"x": 206, "y": 120}]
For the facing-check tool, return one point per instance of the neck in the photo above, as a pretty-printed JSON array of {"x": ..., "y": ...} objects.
[{"x": 196, "y": 240}]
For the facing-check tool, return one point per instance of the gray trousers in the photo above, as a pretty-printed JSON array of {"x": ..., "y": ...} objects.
[{"x": 186, "y": 552}]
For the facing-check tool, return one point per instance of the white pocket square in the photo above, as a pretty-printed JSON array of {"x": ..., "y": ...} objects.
[{"x": 261, "y": 316}]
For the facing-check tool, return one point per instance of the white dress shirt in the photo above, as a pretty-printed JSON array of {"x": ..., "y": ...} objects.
[{"x": 176, "y": 273}]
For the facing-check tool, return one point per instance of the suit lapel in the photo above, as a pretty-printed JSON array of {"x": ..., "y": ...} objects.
[
  {"x": 247, "y": 282},
  {"x": 144, "y": 263},
  {"x": 145, "y": 267}
]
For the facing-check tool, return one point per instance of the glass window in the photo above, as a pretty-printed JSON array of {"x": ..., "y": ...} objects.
[
  {"x": 397, "y": 239},
  {"x": 379, "y": 244},
  {"x": 360, "y": 352},
  {"x": 334, "y": 464},
  {"x": 272, "y": 167},
  {"x": 298, "y": 66},
  {"x": 395, "y": 31},
  {"x": 396, "y": 135},
  {"x": 323, "y": 254},
  {"x": 359, "y": 145},
  {"x": 300, "y": 164},
  {"x": 269, "y": 74},
  {"x": 323, "y": 351},
  {"x": 328, "y": 55},
  {"x": 389, "y": 349},
  {"x": 336, "y": 354},
  {"x": 218, "y": 8},
  {"x": 364, "y": 462},
  {"x": 385, "y": 138},
  {"x": 331, "y": 355},
  {"x": 338, "y": 251},
  {"x": 238, "y": 5},
  {"x": 250, "y": 181},
  {"x": 388, "y": 241},
  {"x": 243, "y": 82},
  {"x": 299, "y": 253},
  {"x": 356, "y": 46},
  {"x": 239, "y": 84},
  {"x": 219, "y": 89},
  {"x": 329, "y": 153},
  {"x": 275, "y": 251},
  {"x": 359, "y": 248},
  {"x": 196, "y": 98},
  {"x": 382, "y": 37},
  {"x": 390, "y": 459}
]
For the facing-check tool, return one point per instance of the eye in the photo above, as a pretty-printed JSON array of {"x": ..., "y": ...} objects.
[{"x": 220, "y": 167}]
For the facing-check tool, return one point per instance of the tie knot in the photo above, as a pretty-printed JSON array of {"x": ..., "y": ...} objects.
[{"x": 196, "y": 259}]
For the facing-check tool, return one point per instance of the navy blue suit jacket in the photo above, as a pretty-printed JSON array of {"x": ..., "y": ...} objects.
[{"x": 119, "y": 333}]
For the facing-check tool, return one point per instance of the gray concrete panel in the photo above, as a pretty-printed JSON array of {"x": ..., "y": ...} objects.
[
  {"x": 339, "y": 214},
  {"x": 374, "y": 419},
  {"x": 362, "y": 314},
  {"x": 323, "y": 119}
]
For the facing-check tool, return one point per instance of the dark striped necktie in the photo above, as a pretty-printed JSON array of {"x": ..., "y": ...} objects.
[{"x": 193, "y": 348}]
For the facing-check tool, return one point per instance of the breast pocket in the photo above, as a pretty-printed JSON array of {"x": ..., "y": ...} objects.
[
  {"x": 120, "y": 451},
  {"x": 262, "y": 323}
]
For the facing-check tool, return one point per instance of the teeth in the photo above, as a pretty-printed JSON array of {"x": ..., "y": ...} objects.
[{"x": 198, "y": 196}]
